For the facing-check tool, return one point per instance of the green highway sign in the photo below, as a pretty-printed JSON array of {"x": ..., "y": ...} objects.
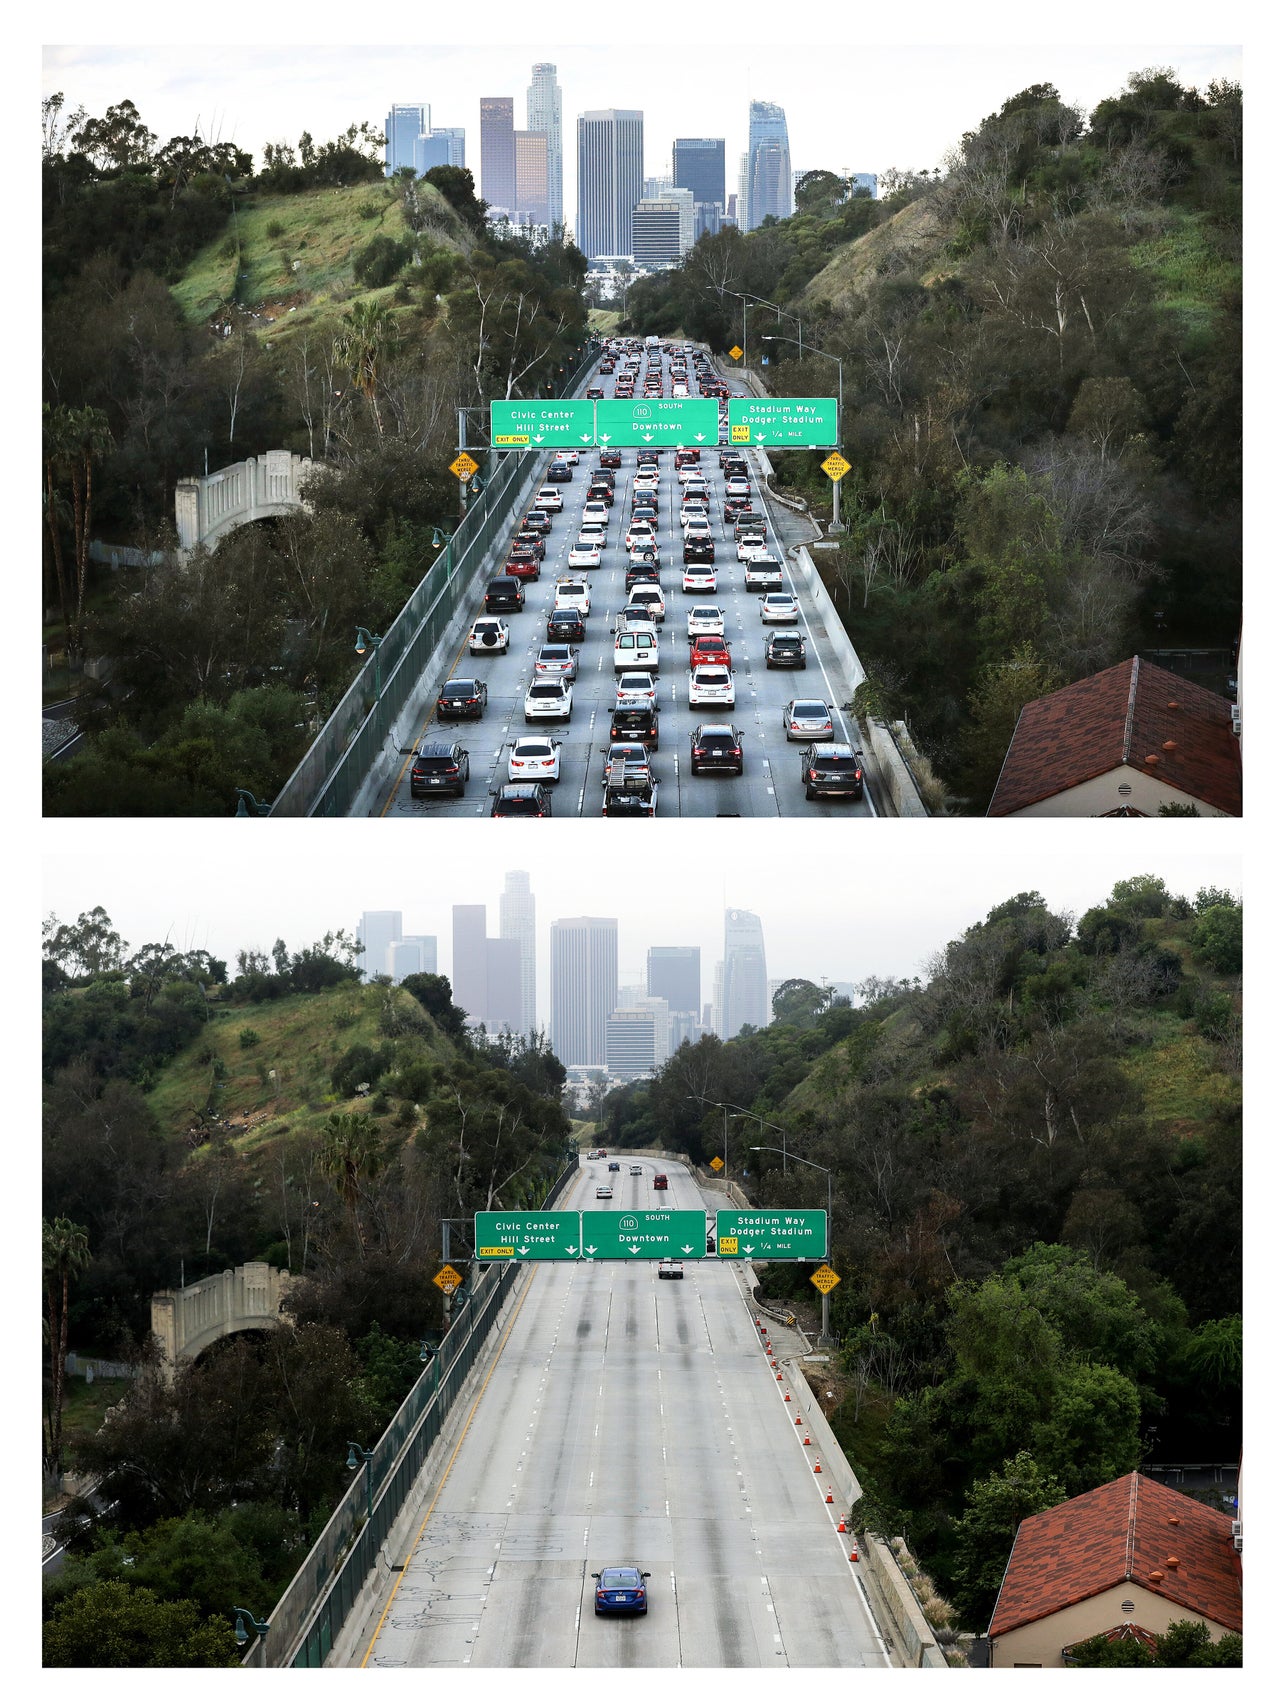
[
  {"x": 808, "y": 422},
  {"x": 526, "y": 424},
  {"x": 781, "y": 1236},
  {"x": 610, "y": 1235},
  {"x": 657, "y": 421},
  {"x": 531, "y": 1236}
]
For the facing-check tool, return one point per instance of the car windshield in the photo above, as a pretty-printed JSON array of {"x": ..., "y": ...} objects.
[
  {"x": 460, "y": 690},
  {"x": 624, "y": 1578}
]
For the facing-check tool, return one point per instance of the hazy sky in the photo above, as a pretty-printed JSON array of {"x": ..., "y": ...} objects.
[
  {"x": 852, "y": 101},
  {"x": 838, "y": 900}
]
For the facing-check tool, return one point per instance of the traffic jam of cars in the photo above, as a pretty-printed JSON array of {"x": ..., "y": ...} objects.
[{"x": 642, "y": 603}]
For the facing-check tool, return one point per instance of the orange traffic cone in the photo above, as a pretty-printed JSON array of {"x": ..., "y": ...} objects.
[
  {"x": 807, "y": 1442},
  {"x": 853, "y": 1553},
  {"x": 797, "y": 1417},
  {"x": 830, "y": 1501},
  {"x": 817, "y": 1467},
  {"x": 841, "y": 1526},
  {"x": 787, "y": 1398},
  {"x": 779, "y": 1375}
]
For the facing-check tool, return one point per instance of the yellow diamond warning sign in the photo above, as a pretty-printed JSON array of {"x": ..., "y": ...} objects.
[
  {"x": 825, "y": 1279},
  {"x": 836, "y": 466},
  {"x": 736, "y": 353},
  {"x": 717, "y": 1162},
  {"x": 464, "y": 466},
  {"x": 447, "y": 1279}
]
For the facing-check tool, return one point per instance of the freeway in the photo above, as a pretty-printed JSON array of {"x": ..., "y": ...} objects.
[
  {"x": 771, "y": 784},
  {"x": 623, "y": 1420}
]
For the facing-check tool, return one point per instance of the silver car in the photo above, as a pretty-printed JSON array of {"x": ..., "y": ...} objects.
[{"x": 807, "y": 720}]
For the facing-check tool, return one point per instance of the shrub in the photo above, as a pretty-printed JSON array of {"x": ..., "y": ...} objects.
[{"x": 248, "y": 1038}]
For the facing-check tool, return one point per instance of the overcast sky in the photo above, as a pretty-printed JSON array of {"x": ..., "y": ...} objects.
[
  {"x": 839, "y": 900},
  {"x": 852, "y": 101}
]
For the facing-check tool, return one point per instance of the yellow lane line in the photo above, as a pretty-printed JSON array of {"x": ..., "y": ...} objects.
[{"x": 395, "y": 1588}]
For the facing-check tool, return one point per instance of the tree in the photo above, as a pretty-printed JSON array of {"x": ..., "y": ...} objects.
[
  {"x": 87, "y": 949},
  {"x": 996, "y": 702},
  {"x": 65, "y": 1253},
  {"x": 365, "y": 341},
  {"x": 112, "y": 1624},
  {"x": 352, "y": 1155},
  {"x": 1218, "y": 936},
  {"x": 74, "y": 440},
  {"x": 1090, "y": 1436},
  {"x": 994, "y": 1508}
]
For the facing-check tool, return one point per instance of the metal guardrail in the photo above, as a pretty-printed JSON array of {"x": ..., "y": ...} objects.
[
  {"x": 328, "y": 777},
  {"x": 310, "y": 1613}
]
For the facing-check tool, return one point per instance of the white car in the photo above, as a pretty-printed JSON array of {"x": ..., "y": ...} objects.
[
  {"x": 636, "y": 685},
  {"x": 592, "y": 534},
  {"x": 710, "y": 685},
  {"x": 548, "y": 499},
  {"x": 635, "y": 1169},
  {"x": 749, "y": 546},
  {"x": 640, "y": 534},
  {"x": 534, "y": 759},
  {"x": 699, "y": 530},
  {"x": 688, "y": 472},
  {"x": 557, "y": 659},
  {"x": 569, "y": 456},
  {"x": 764, "y": 574},
  {"x": 488, "y": 634},
  {"x": 584, "y": 554},
  {"x": 696, "y": 487},
  {"x": 700, "y": 578},
  {"x": 549, "y": 698},
  {"x": 604, "y": 1191},
  {"x": 779, "y": 608},
  {"x": 645, "y": 483},
  {"x": 572, "y": 590},
  {"x": 595, "y": 510},
  {"x": 807, "y": 720},
  {"x": 705, "y": 620},
  {"x": 649, "y": 594}
]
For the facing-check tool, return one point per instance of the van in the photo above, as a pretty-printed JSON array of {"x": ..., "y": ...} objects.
[{"x": 635, "y": 648}]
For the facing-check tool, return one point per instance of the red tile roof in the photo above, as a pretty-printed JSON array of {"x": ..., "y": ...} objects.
[
  {"x": 1126, "y": 1531},
  {"x": 1133, "y": 714}
]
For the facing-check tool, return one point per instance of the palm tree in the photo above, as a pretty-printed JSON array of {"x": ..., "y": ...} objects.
[
  {"x": 368, "y": 337},
  {"x": 64, "y": 1253},
  {"x": 74, "y": 439},
  {"x": 351, "y": 1152}
]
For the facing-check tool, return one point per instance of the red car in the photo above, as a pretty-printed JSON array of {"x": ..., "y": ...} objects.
[
  {"x": 710, "y": 649},
  {"x": 524, "y": 566}
]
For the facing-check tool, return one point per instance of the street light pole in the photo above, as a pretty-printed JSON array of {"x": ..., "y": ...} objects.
[
  {"x": 364, "y": 640},
  {"x": 355, "y": 1452},
  {"x": 826, "y": 1317}
]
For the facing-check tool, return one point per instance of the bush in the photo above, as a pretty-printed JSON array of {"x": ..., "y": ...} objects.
[
  {"x": 380, "y": 260},
  {"x": 248, "y": 1038}
]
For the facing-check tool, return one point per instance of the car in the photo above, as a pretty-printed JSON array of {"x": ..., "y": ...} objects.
[
  {"x": 715, "y": 747},
  {"x": 636, "y": 648},
  {"x": 592, "y": 533},
  {"x": 461, "y": 697},
  {"x": 625, "y": 753},
  {"x": 620, "y": 1589},
  {"x": 779, "y": 608},
  {"x": 592, "y": 1155},
  {"x": 595, "y": 391},
  {"x": 566, "y": 623},
  {"x": 504, "y": 594},
  {"x": 633, "y": 683},
  {"x": 634, "y": 720},
  {"x": 548, "y": 698},
  {"x": 631, "y": 615},
  {"x": 748, "y": 522},
  {"x": 530, "y": 540},
  {"x": 831, "y": 768},
  {"x": 699, "y": 578},
  {"x": 710, "y": 685},
  {"x": 696, "y": 487},
  {"x": 710, "y": 649},
  {"x": 439, "y": 768},
  {"x": 604, "y": 1191},
  {"x": 602, "y": 1151},
  {"x": 595, "y": 510},
  {"x": 660, "y": 1183},
  {"x": 670, "y": 1269},
  {"x": 649, "y": 594},
  {"x": 615, "y": 1168},
  {"x": 639, "y": 534},
  {"x": 736, "y": 486},
  {"x": 559, "y": 472},
  {"x": 785, "y": 648},
  {"x": 573, "y": 590},
  {"x": 569, "y": 455},
  {"x": 750, "y": 544},
  {"x": 642, "y": 567},
  {"x": 696, "y": 530},
  {"x": 635, "y": 1169},
  {"x": 584, "y": 554},
  {"x": 733, "y": 507},
  {"x": 704, "y": 620},
  {"x": 601, "y": 492},
  {"x": 521, "y": 800},
  {"x": 534, "y": 758},
  {"x": 603, "y": 473},
  {"x": 699, "y": 550},
  {"x": 687, "y": 456},
  {"x": 807, "y": 720},
  {"x": 549, "y": 499},
  {"x": 763, "y": 574},
  {"x": 645, "y": 482},
  {"x": 488, "y": 634},
  {"x": 538, "y": 520},
  {"x": 557, "y": 659},
  {"x": 524, "y": 566},
  {"x": 610, "y": 458}
]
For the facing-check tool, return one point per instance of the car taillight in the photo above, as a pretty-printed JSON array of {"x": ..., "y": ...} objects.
[{"x": 451, "y": 770}]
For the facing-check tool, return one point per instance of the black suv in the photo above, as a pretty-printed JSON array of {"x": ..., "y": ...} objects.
[
  {"x": 462, "y": 697},
  {"x": 439, "y": 768},
  {"x": 635, "y": 721},
  {"x": 600, "y": 492},
  {"x": 610, "y": 459},
  {"x": 504, "y": 594},
  {"x": 831, "y": 768},
  {"x": 566, "y": 625},
  {"x": 522, "y": 800},
  {"x": 785, "y": 648},
  {"x": 715, "y": 747},
  {"x": 699, "y": 551}
]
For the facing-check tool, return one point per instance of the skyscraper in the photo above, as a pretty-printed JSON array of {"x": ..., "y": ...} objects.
[
  {"x": 610, "y": 176},
  {"x": 584, "y": 988},
  {"x": 746, "y": 982},
  {"x": 446, "y": 146},
  {"x": 409, "y": 955},
  {"x": 768, "y": 185},
  {"x": 404, "y": 126},
  {"x": 502, "y": 985},
  {"x": 498, "y": 151},
  {"x": 675, "y": 974},
  {"x": 470, "y": 961},
  {"x": 531, "y": 177},
  {"x": 698, "y": 166},
  {"x": 378, "y": 931},
  {"x": 542, "y": 113},
  {"x": 517, "y": 919}
]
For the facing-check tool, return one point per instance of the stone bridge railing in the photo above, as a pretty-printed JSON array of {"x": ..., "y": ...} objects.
[
  {"x": 209, "y": 506},
  {"x": 187, "y": 1320}
]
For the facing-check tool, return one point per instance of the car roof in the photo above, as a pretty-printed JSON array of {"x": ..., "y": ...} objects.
[{"x": 436, "y": 749}]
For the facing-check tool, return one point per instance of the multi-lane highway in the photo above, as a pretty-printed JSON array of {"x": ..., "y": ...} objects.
[
  {"x": 771, "y": 784},
  {"x": 624, "y": 1420}
]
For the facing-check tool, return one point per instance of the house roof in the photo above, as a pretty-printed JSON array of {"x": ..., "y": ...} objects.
[
  {"x": 1132, "y": 1530},
  {"x": 1133, "y": 714}
]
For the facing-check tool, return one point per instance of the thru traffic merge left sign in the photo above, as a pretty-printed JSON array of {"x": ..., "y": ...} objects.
[
  {"x": 463, "y": 465},
  {"x": 447, "y": 1279}
]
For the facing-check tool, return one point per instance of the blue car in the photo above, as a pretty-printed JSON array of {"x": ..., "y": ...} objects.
[{"x": 620, "y": 1589}]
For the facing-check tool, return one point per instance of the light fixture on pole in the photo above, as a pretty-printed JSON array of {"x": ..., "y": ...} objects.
[
  {"x": 440, "y": 538},
  {"x": 254, "y": 806},
  {"x": 243, "y": 1620},
  {"x": 364, "y": 640},
  {"x": 355, "y": 1452}
]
